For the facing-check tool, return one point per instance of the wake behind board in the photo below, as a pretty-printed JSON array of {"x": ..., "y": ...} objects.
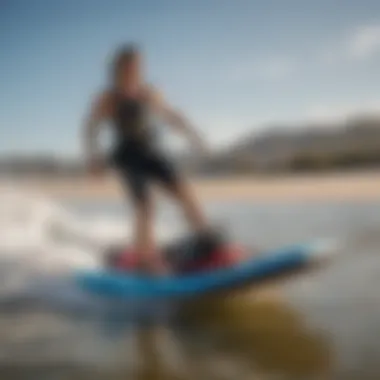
[{"x": 111, "y": 283}]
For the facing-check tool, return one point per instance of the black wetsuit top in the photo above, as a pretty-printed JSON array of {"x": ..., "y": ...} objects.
[
  {"x": 131, "y": 121},
  {"x": 136, "y": 154}
]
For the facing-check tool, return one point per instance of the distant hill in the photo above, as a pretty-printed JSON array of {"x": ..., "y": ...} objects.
[{"x": 355, "y": 142}]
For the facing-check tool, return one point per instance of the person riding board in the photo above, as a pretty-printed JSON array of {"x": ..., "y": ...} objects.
[{"x": 127, "y": 103}]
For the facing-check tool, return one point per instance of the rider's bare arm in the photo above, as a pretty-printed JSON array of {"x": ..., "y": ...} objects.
[
  {"x": 99, "y": 112},
  {"x": 172, "y": 116}
]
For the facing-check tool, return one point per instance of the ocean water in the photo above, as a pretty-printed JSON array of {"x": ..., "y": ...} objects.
[{"x": 321, "y": 324}]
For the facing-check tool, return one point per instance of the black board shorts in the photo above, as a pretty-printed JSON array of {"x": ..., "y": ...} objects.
[{"x": 139, "y": 167}]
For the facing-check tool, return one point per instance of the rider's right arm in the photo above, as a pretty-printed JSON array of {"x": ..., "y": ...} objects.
[{"x": 100, "y": 110}]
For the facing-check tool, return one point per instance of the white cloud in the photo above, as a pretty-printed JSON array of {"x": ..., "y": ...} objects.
[
  {"x": 364, "y": 42},
  {"x": 275, "y": 68},
  {"x": 361, "y": 43},
  {"x": 324, "y": 115}
]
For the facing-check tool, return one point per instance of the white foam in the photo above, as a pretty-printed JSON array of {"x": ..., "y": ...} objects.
[
  {"x": 325, "y": 248},
  {"x": 43, "y": 233}
]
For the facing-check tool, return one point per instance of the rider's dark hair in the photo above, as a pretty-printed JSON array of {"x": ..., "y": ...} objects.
[{"x": 124, "y": 55}]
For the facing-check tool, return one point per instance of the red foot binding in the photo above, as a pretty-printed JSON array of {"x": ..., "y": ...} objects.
[{"x": 224, "y": 257}]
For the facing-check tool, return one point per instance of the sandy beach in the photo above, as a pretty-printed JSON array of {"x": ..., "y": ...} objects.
[{"x": 359, "y": 186}]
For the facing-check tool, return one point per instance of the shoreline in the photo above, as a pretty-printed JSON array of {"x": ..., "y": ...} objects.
[{"x": 359, "y": 186}]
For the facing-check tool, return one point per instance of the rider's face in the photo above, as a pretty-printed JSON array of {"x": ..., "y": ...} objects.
[{"x": 131, "y": 70}]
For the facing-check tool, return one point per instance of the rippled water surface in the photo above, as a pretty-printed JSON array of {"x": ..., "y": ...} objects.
[{"x": 319, "y": 324}]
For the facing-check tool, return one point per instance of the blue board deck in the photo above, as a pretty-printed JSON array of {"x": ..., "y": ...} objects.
[{"x": 115, "y": 284}]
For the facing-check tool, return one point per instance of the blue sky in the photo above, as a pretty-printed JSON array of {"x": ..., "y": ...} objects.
[{"x": 230, "y": 65}]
